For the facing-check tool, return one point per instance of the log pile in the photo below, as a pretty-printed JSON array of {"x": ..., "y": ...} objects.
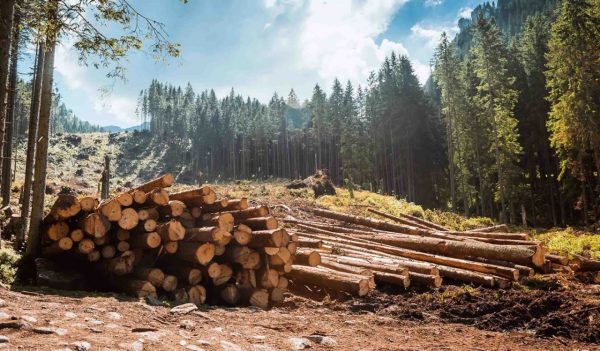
[
  {"x": 409, "y": 252},
  {"x": 189, "y": 245}
]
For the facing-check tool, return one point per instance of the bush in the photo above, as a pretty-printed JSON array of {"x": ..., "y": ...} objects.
[{"x": 8, "y": 265}]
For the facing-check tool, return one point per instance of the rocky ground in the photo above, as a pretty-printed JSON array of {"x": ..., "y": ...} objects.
[{"x": 33, "y": 319}]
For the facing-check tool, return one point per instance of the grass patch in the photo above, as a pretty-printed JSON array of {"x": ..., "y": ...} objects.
[{"x": 569, "y": 242}]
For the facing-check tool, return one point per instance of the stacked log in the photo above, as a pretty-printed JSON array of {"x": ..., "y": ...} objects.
[
  {"x": 424, "y": 252},
  {"x": 189, "y": 245}
]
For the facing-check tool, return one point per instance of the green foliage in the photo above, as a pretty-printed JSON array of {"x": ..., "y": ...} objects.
[
  {"x": 8, "y": 265},
  {"x": 570, "y": 242},
  {"x": 574, "y": 87}
]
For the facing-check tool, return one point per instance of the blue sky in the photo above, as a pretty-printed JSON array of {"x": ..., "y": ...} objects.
[{"x": 262, "y": 46}]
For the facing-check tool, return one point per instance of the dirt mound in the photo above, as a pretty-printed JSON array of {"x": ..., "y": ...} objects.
[{"x": 543, "y": 313}]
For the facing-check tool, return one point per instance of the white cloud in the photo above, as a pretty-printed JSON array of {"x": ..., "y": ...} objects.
[
  {"x": 422, "y": 71},
  {"x": 337, "y": 38},
  {"x": 465, "y": 12},
  {"x": 433, "y": 2},
  {"x": 431, "y": 35},
  {"x": 109, "y": 108}
]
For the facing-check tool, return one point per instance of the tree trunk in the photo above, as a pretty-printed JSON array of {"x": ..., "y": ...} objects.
[
  {"x": 41, "y": 155},
  {"x": 7, "y": 150},
  {"x": 32, "y": 136},
  {"x": 7, "y": 9}
]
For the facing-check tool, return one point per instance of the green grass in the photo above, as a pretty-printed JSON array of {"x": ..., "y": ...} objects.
[
  {"x": 389, "y": 204},
  {"x": 570, "y": 242}
]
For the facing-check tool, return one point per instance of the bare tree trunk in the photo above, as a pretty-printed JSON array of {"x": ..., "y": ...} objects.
[
  {"x": 105, "y": 180},
  {"x": 41, "y": 153},
  {"x": 7, "y": 8},
  {"x": 32, "y": 132},
  {"x": 7, "y": 148}
]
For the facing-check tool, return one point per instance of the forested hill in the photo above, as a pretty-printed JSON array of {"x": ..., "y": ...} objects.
[
  {"x": 63, "y": 119},
  {"x": 514, "y": 135},
  {"x": 509, "y": 15}
]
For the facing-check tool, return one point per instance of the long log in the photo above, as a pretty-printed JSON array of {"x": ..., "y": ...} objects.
[
  {"x": 173, "y": 209},
  {"x": 398, "y": 219},
  {"x": 191, "y": 194},
  {"x": 420, "y": 256},
  {"x": 145, "y": 241},
  {"x": 307, "y": 258},
  {"x": 204, "y": 234},
  {"x": 57, "y": 247},
  {"x": 583, "y": 264},
  {"x": 424, "y": 222},
  {"x": 353, "y": 284},
  {"x": 512, "y": 253},
  {"x": 269, "y": 238},
  {"x": 260, "y": 223},
  {"x": 494, "y": 228},
  {"x": 164, "y": 181}
]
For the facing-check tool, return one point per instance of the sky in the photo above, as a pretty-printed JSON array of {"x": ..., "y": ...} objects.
[{"x": 259, "y": 47}]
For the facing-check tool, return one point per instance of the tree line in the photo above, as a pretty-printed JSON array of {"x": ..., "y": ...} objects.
[{"x": 506, "y": 128}]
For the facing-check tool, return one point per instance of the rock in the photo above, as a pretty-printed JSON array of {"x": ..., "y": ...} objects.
[
  {"x": 114, "y": 316},
  {"x": 194, "y": 348},
  {"x": 136, "y": 346},
  {"x": 299, "y": 343},
  {"x": 50, "y": 274},
  {"x": 229, "y": 346},
  {"x": 184, "y": 309},
  {"x": 187, "y": 324},
  {"x": 4, "y": 315},
  {"x": 29, "y": 319},
  {"x": 3, "y": 303},
  {"x": 82, "y": 346},
  {"x": 203, "y": 342},
  {"x": 70, "y": 315},
  {"x": 50, "y": 330},
  {"x": 153, "y": 301},
  {"x": 322, "y": 340},
  {"x": 3, "y": 339},
  {"x": 263, "y": 347},
  {"x": 93, "y": 321}
]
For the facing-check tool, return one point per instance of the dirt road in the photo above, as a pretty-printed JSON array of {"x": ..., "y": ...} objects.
[{"x": 31, "y": 320}]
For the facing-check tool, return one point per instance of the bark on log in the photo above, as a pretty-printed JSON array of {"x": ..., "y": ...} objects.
[
  {"x": 269, "y": 238},
  {"x": 204, "y": 234},
  {"x": 356, "y": 285},
  {"x": 136, "y": 287},
  {"x": 260, "y": 223},
  {"x": 494, "y": 228},
  {"x": 307, "y": 258},
  {"x": 398, "y": 219},
  {"x": 164, "y": 181},
  {"x": 66, "y": 206},
  {"x": 582, "y": 264},
  {"x": 420, "y": 256}
]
